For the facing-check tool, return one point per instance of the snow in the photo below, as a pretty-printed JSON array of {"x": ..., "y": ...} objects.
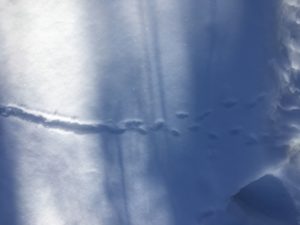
[{"x": 139, "y": 112}]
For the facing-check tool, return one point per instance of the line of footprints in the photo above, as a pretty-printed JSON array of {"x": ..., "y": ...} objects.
[
  {"x": 195, "y": 126},
  {"x": 138, "y": 125}
]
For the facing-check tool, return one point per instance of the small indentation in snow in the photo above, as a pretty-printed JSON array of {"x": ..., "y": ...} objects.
[
  {"x": 182, "y": 115},
  {"x": 230, "y": 103},
  {"x": 174, "y": 132}
]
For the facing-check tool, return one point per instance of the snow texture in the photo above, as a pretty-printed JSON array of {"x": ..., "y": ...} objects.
[{"x": 138, "y": 112}]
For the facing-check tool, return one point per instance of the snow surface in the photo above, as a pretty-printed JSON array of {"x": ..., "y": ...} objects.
[{"x": 161, "y": 112}]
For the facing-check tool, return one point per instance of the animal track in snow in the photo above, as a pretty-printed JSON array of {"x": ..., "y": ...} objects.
[
  {"x": 258, "y": 99},
  {"x": 133, "y": 123},
  {"x": 230, "y": 103},
  {"x": 235, "y": 130},
  {"x": 175, "y": 132},
  {"x": 212, "y": 136},
  {"x": 203, "y": 116},
  {"x": 82, "y": 127},
  {"x": 182, "y": 115},
  {"x": 137, "y": 125},
  {"x": 194, "y": 128},
  {"x": 159, "y": 124},
  {"x": 252, "y": 140}
]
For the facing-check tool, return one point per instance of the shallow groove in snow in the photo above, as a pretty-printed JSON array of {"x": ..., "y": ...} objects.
[
  {"x": 78, "y": 126},
  {"x": 53, "y": 121},
  {"x": 82, "y": 127}
]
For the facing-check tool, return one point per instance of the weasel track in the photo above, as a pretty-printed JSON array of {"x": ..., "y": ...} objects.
[{"x": 70, "y": 124}]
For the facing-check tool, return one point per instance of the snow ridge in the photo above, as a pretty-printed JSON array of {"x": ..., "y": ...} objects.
[{"x": 288, "y": 100}]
